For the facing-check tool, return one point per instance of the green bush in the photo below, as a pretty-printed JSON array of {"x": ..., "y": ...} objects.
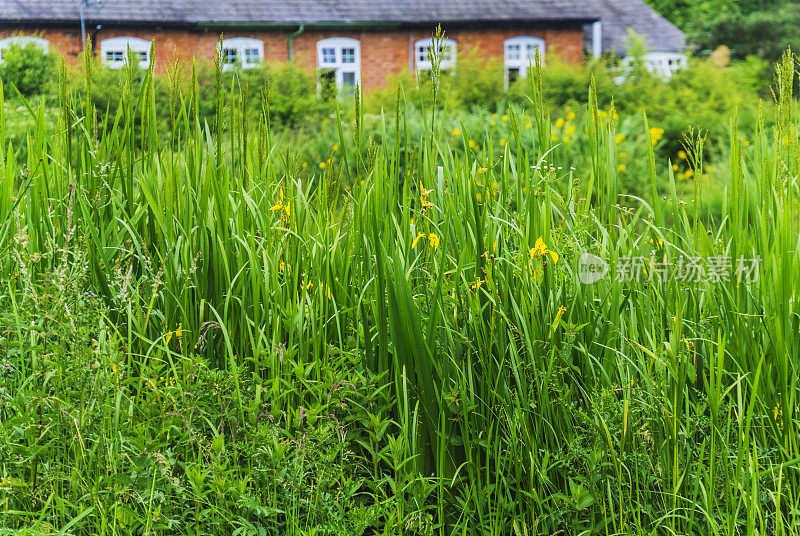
[
  {"x": 292, "y": 93},
  {"x": 28, "y": 67},
  {"x": 475, "y": 81}
]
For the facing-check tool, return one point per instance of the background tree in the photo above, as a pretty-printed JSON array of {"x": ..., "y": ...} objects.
[
  {"x": 748, "y": 27},
  {"x": 28, "y": 67}
]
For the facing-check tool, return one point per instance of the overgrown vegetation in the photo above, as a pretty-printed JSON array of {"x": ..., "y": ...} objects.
[
  {"x": 28, "y": 67},
  {"x": 761, "y": 28},
  {"x": 202, "y": 335}
]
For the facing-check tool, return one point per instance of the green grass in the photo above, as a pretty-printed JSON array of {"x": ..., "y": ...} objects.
[{"x": 199, "y": 336}]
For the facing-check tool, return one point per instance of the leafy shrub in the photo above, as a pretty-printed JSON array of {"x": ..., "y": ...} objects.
[
  {"x": 765, "y": 33},
  {"x": 566, "y": 84},
  {"x": 476, "y": 81},
  {"x": 28, "y": 67},
  {"x": 292, "y": 95}
]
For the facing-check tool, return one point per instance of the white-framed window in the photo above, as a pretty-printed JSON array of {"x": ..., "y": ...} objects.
[
  {"x": 519, "y": 55},
  {"x": 664, "y": 64},
  {"x": 424, "y": 51},
  {"x": 23, "y": 41},
  {"x": 114, "y": 51},
  {"x": 243, "y": 51},
  {"x": 339, "y": 63}
]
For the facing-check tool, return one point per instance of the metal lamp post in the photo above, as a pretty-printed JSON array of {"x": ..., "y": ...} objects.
[{"x": 83, "y": 4}]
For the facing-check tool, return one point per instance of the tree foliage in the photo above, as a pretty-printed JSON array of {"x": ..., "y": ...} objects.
[
  {"x": 28, "y": 67},
  {"x": 764, "y": 33},
  {"x": 748, "y": 27}
]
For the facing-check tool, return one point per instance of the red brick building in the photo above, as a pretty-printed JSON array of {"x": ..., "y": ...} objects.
[{"x": 348, "y": 42}]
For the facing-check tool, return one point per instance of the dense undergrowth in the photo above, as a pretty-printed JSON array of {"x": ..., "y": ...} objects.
[{"x": 201, "y": 335}]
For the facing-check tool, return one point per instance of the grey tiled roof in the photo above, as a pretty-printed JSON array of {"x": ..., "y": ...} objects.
[
  {"x": 619, "y": 15},
  {"x": 295, "y": 11}
]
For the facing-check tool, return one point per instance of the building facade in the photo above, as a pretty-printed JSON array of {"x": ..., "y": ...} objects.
[{"x": 347, "y": 43}]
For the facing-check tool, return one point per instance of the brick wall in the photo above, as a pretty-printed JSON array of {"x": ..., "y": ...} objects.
[{"x": 383, "y": 52}]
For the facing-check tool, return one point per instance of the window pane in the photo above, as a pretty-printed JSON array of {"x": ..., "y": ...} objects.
[
  {"x": 446, "y": 52},
  {"x": 328, "y": 55},
  {"x": 422, "y": 53},
  {"x": 348, "y": 55},
  {"x": 251, "y": 56},
  {"x": 531, "y": 50},
  {"x": 513, "y": 75},
  {"x": 231, "y": 55},
  {"x": 142, "y": 56},
  {"x": 512, "y": 52},
  {"x": 348, "y": 83}
]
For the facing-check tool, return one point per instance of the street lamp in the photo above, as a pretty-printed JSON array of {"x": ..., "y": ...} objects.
[{"x": 83, "y": 4}]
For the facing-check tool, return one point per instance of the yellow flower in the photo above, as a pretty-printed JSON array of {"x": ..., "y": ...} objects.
[
  {"x": 433, "y": 240},
  {"x": 528, "y": 124},
  {"x": 456, "y": 132},
  {"x": 504, "y": 118},
  {"x": 540, "y": 250},
  {"x": 282, "y": 266},
  {"x": 554, "y": 137},
  {"x": 570, "y": 116},
  {"x": 325, "y": 289},
  {"x": 682, "y": 155},
  {"x": 570, "y": 129},
  {"x": 280, "y": 205},
  {"x": 566, "y": 139},
  {"x": 619, "y": 138},
  {"x": 557, "y": 319},
  {"x": 323, "y": 165},
  {"x": 674, "y": 167},
  {"x": 621, "y": 167},
  {"x": 503, "y": 142},
  {"x": 656, "y": 134},
  {"x": 472, "y": 144},
  {"x": 335, "y": 148},
  {"x": 623, "y": 155},
  {"x": 559, "y": 122},
  {"x": 494, "y": 115},
  {"x": 689, "y": 173},
  {"x": 305, "y": 165},
  {"x": 746, "y": 143},
  {"x": 178, "y": 333},
  {"x": 423, "y": 191}
]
